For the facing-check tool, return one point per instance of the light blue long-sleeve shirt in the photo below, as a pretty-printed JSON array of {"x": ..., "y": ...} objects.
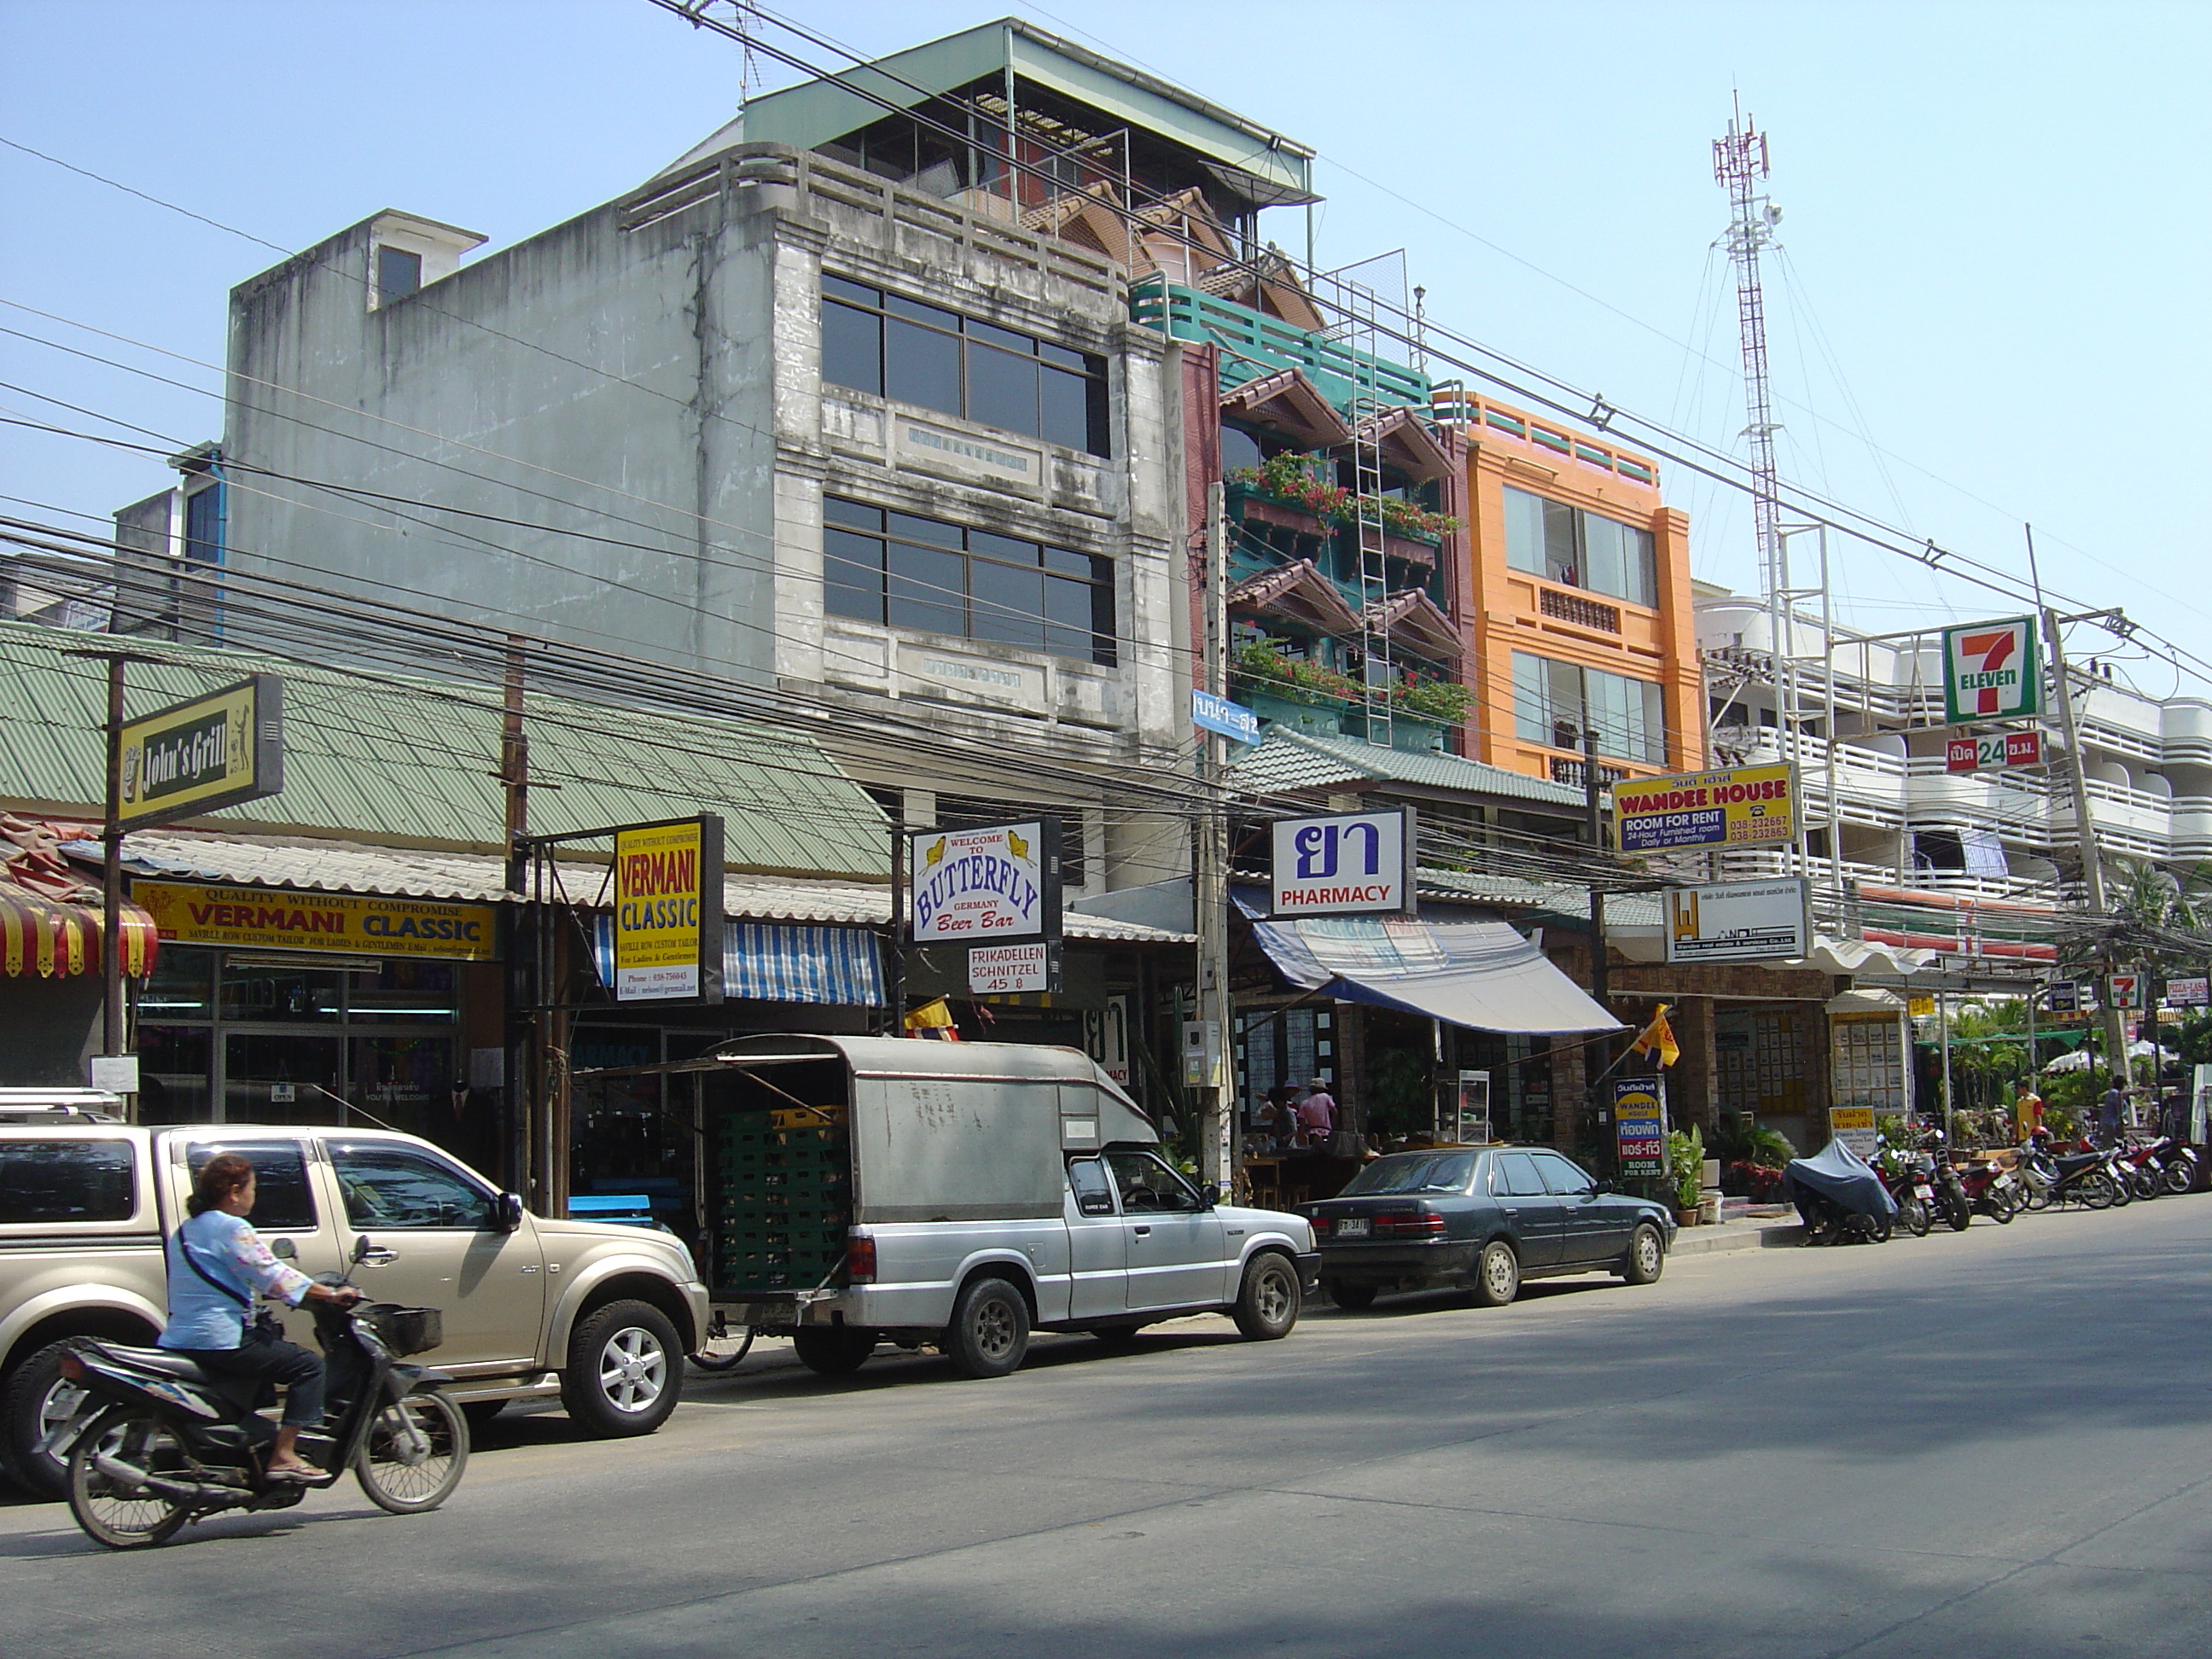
[{"x": 224, "y": 1247}]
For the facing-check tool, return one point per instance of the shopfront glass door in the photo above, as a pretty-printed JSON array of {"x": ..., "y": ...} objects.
[{"x": 281, "y": 1077}]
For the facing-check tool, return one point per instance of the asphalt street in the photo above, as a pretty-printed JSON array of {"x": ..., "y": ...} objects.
[{"x": 1994, "y": 1443}]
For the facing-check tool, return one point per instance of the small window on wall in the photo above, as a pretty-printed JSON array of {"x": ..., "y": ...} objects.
[
  {"x": 1574, "y": 548},
  {"x": 399, "y": 273}
]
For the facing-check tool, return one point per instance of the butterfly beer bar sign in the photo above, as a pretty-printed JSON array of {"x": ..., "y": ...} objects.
[{"x": 996, "y": 885}]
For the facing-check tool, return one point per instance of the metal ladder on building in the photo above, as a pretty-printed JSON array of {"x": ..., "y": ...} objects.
[{"x": 1357, "y": 331}]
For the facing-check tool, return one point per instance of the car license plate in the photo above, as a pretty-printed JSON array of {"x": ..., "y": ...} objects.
[
  {"x": 1352, "y": 1227},
  {"x": 1923, "y": 1190}
]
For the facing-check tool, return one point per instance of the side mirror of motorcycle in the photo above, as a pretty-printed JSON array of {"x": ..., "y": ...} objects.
[
  {"x": 506, "y": 1213},
  {"x": 362, "y": 1246},
  {"x": 284, "y": 1250}
]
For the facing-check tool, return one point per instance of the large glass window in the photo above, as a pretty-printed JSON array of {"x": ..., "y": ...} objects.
[
  {"x": 901, "y": 570},
  {"x": 283, "y": 1201},
  {"x": 1564, "y": 544},
  {"x": 920, "y": 354},
  {"x": 1551, "y": 700},
  {"x": 67, "y": 1181}
]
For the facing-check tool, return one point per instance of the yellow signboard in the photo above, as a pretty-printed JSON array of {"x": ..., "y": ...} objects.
[
  {"x": 192, "y": 758},
  {"x": 1750, "y": 804},
  {"x": 360, "y": 924},
  {"x": 668, "y": 912}
]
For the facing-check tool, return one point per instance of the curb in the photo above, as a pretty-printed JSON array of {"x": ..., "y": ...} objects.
[{"x": 1740, "y": 1235}]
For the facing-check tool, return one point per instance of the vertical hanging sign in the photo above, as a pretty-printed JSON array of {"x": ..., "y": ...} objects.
[{"x": 668, "y": 911}]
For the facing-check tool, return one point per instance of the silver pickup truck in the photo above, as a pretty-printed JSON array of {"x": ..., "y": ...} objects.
[
  {"x": 961, "y": 1196},
  {"x": 600, "y": 1315}
]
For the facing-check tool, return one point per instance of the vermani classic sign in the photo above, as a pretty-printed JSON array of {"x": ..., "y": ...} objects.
[
  {"x": 668, "y": 911},
  {"x": 1350, "y": 864},
  {"x": 1000, "y": 882}
]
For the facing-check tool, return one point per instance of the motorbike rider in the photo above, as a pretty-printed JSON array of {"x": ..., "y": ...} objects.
[{"x": 217, "y": 1264}]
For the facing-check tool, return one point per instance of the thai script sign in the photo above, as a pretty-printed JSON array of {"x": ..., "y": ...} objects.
[
  {"x": 1350, "y": 864},
  {"x": 1233, "y": 720},
  {"x": 1000, "y": 883},
  {"x": 1993, "y": 752},
  {"x": 1751, "y": 803},
  {"x": 668, "y": 911},
  {"x": 1991, "y": 671},
  {"x": 1854, "y": 1127},
  {"x": 1639, "y": 1124},
  {"x": 358, "y": 923},
  {"x": 192, "y": 758},
  {"x": 1740, "y": 921}
]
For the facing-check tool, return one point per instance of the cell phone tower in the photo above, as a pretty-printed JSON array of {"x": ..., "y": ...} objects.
[{"x": 1739, "y": 167}]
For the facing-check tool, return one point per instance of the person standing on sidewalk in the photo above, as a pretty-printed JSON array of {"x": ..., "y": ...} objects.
[{"x": 1317, "y": 1113}]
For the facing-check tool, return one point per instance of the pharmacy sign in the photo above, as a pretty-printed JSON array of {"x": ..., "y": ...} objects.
[{"x": 1992, "y": 672}]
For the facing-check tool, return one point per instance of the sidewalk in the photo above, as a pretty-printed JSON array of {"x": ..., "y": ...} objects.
[{"x": 1746, "y": 1235}]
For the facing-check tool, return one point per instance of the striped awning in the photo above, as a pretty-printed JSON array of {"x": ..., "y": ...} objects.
[
  {"x": 777, "y": 962},
  {"x": 52, "y": 938}
]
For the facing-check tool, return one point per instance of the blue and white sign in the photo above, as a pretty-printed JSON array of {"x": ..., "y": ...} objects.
[
  {"x": 999, "y": 884},
  {"x": 1233, "y": 720},
  {"x": 1350, "y": 864}
]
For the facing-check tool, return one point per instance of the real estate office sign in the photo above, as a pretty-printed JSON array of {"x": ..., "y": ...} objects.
[{"x": 1992, "y": 672}]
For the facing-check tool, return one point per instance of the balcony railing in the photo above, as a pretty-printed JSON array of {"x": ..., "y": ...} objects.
[{"x": 1254, "y": 344}]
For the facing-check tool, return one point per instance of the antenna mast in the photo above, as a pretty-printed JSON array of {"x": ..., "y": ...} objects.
[{"x": 1739, "y": 166}]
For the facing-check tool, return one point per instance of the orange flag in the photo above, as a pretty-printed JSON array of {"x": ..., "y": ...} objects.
[{"x": 1658, "y": 1038}]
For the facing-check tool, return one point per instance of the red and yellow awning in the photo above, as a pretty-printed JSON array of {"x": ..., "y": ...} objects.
[{"x": 50, "y": 938}]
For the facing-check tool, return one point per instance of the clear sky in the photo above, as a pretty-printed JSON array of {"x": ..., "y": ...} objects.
[{"x": 1990, "y": 307}]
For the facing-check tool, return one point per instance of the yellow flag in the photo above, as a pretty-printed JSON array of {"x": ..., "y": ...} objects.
[
  {"x": 935, "y": 1019},
  {"x": 1658, "y": 1038}
]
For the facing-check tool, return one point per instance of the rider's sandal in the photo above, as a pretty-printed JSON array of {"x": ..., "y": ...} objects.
[{"x": 301, "y": 1472}]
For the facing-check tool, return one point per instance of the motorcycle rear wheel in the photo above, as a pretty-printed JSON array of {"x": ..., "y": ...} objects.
[
  {"x": 1912, "y": 1214},
  {"x": 112, "y": 1513},
  {"x": 2003, "y": 1207},
  {"x": 407, "y": 1475}
]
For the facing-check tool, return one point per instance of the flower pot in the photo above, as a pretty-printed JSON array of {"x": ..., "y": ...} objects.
[{"x": 1686, "y": 1217}]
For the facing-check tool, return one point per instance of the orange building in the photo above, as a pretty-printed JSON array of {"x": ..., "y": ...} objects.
[{"x": 1577, "y": 602}]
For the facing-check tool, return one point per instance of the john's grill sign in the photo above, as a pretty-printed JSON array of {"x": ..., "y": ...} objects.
[
  {"x": 668, "y": 912},
  {"x": 998, "y": 883},
  {"x": 1991, "y": 671},
  {"x": 1351, "y": 865},
  {"x": 192, "y": 758}
]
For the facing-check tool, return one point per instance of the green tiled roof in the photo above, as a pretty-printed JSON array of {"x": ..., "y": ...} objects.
[
  {"x": 413, "y": 762},
  {"x": 1286, "y": 761}
]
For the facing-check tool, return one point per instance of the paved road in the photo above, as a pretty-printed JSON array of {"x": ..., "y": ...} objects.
[{"x": 1988, "y": 1443}]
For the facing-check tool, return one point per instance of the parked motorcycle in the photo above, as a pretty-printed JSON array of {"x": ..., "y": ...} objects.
[
  {"x": 1905, "y": 1175},
  {"x": 2077, "y": 1177},
  {"x": 1951, "y": 1204},
  {"x": 155, "y": 1443},
  {"x": 1840, "y": 1196},
  {"x": 1990, "y": 1189},
  {"x": 2163, "y": 1166}
]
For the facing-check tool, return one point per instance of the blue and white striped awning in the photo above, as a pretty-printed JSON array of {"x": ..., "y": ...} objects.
[{"x": 776, "y": 962}]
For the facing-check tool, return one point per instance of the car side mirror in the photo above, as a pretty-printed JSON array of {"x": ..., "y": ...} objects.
[
  {"x": 1602, "y": 1187},
  {"x": 1209, "y": 1194},
  {"x": 506, "y": 1213},
  {"x": 284, "y": 1250}
]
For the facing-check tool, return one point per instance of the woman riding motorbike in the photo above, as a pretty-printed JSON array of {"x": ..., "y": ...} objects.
[{"x": 217, "y": 1263}]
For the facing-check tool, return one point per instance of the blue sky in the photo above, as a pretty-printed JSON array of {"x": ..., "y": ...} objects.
[{"x": 1991, "y": 308}]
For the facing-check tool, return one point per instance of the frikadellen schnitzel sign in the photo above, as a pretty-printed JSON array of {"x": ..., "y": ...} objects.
[{"x": 991, "y": 885}]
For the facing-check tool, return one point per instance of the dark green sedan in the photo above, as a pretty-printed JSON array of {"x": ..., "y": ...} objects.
[{"x": 1483, "y": 1217}]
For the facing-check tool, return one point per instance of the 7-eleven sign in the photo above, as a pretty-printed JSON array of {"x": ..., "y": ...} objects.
[{"x": 1991, "y": 671}]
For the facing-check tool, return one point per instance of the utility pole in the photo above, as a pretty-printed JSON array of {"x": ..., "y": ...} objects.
[
  {"x": 1593, "y": 813},
  {"x": 1210, "y": 885},
  {"x": 523, "y": 991},
  {"x": 2085, "y": 836},
  {"x": 111, "y": 872}
]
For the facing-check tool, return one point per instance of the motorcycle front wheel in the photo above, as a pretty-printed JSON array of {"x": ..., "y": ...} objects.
[
  {"x": 2180, "y": 1176},
  {"x": 414, "y": 1454},
  {"x": 2097, "y": 1190},
  {"x": 2145, "y": 1182},
  {"x": 112, "y": 1508}
]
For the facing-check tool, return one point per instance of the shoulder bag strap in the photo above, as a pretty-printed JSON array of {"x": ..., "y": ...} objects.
[{"x": 184, "y": 1249}]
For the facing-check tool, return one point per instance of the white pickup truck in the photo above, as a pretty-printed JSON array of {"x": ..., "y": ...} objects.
[
  {"x": 960, "y": 1196},
  {"x": 601, "y": 1315}
]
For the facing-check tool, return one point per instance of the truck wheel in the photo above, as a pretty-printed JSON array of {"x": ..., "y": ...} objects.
[
  {"x": 989, "y": 1335},
  {"x": 1268, "y": 1303},
  {"x": 625, "y": 1371},
  {"x": 37, "y": 1400},
  {"x": 1353, "y": 1298},
  {"x": 1497, "y": 1275},
  {"x": 832, "y": 1350}
]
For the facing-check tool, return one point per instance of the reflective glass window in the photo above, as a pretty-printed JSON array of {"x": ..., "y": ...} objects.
[
  {"x": 67, "y": 1181},
  {"x": 388, "y": 1186},
  {"x": 282, "y": 1200}
]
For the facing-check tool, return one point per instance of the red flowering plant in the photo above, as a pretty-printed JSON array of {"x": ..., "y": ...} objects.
[{"x": 1292, "y": 479}]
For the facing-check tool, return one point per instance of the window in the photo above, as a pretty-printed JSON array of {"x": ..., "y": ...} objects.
[
  {"x": 1562, "y": 1177},
  {"x": 388, "y": 1186},
  {"x": 1564, "y": 544},
  {"x": 283, "y": 1201},
  {"x": 204, "y": 524},
  {"x": 398, "y": 274},
  {"x": 901, "y": 348},
  {"x": 1554, "y": 700},
  {"x": 1415, "y": 1174},
  {"x": 899, "y": 570},
  {"x": 1094, "y": 1195},
  {"x": 67, "y": 1181},
  {"x": 1513, "y": 1175},
  {"x": 1148, "y": 1187}
]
